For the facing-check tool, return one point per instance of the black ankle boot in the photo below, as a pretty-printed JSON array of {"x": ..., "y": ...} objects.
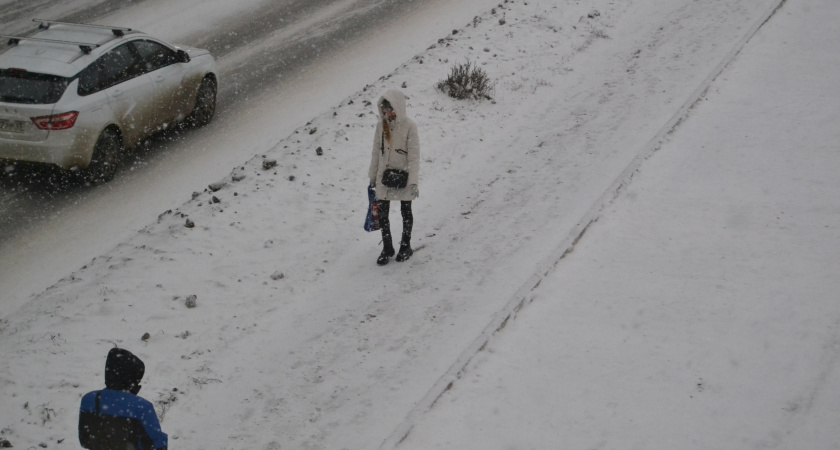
[
  {"x": 383, "y": 257},
  {"x": 405, "y": 252}
]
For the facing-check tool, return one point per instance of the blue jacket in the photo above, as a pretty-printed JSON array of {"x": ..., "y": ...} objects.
[{"x": 111, "y": 418}]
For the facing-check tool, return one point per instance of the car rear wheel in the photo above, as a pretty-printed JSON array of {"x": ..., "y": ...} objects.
[
  {"x": 205, "y": 104},
  {"x": 106, "y": 155}
]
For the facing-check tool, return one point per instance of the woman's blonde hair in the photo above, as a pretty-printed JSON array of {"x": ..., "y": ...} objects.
[{"x": 386, "y": 130}]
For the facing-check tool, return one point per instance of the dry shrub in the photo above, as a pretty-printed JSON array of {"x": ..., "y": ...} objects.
[{"x": 466, "y": 81}]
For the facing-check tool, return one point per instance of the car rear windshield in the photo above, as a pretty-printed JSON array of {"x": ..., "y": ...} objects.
[{"x": 17, "y": 86}]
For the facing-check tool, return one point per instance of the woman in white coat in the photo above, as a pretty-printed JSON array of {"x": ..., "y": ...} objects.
[{"x": 395, "y": 146}]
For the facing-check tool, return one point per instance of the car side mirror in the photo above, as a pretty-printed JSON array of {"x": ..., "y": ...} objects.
[{"x": 183, "y": 57}]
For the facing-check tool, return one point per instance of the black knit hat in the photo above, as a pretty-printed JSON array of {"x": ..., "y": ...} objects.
[{"x": 123, "y": 370}]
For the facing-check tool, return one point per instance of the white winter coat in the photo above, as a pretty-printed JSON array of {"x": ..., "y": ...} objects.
[{"x": 402, "y": 151}]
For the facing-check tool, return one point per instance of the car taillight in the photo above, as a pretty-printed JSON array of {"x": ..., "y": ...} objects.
[{"x": 56, "y": 121}]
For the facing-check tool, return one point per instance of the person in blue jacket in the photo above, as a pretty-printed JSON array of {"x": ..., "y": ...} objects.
[{"x": 115, "y": 417}]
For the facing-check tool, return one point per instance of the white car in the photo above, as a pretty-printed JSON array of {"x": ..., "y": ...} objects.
[{"x": 76, "y": 95}]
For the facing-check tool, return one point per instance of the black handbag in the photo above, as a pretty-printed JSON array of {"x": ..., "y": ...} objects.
[{"x": 395, "y": 178}]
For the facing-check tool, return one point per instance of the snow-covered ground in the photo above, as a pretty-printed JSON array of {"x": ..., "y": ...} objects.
[
  {"x": 56, "y": 230},
  {"x": 634, "y": 246},
  {"x": 701, "y": 310}
]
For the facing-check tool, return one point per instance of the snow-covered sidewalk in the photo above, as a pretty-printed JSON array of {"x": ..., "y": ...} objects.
[{"x": 701, "y": 310}]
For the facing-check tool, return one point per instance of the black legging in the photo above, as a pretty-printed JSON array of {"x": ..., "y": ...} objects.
[{"x": 385, "y": 223}]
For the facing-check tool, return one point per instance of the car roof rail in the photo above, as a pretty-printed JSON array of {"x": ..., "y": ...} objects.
[
  {"x": 118, "y": 31},
  {"x": 85, "y": 47}
]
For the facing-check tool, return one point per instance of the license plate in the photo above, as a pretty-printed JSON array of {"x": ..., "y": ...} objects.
[{"x": 12, "y": 126}]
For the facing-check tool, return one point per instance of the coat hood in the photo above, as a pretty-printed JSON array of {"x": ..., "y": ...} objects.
[
  {"x": 397, "y": 101},
  {"x": 123, "y": 371}
]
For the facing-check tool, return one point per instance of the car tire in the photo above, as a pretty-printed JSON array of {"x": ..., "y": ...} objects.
[
  {"x": 205, "y": 104},
  {"x": 106, "y": 156}
]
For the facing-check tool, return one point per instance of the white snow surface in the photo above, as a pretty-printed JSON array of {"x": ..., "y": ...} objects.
[{"x": 634, "y": 245}]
